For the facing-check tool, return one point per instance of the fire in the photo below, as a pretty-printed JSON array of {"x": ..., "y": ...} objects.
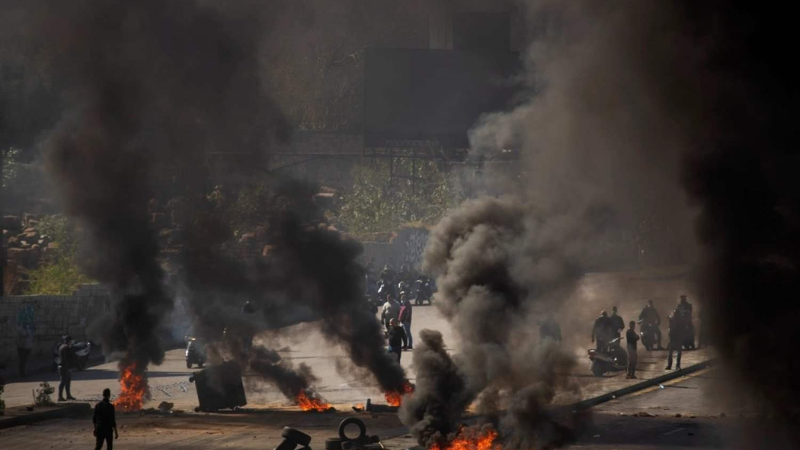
[
  {"x": 311, "y": 402},
  {"x": 470, "y": 439},
  {"x": 133, "y": 389},
  {"x": 395, "y": 398}
]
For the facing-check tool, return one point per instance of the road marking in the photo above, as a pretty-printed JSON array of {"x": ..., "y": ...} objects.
[
  {"x": 671, "y": 382},
  {"x": 673, "y": 431}
]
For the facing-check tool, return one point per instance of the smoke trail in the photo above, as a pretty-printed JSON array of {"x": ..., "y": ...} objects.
[
  {"x": 310, "y": 274},
  {"x": 146, "y": 80}
]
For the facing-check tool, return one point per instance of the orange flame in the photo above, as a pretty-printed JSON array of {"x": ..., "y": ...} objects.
[
  {"x": 395, "y": 398},
  {"x": 470, "y": 439},
  {"x": 311, "y": 402},
  {"x": 133, "y": 389}
]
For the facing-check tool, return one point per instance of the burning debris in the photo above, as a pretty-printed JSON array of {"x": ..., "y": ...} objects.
[
  {"x": 471, "y": 439},
  {"x": 310, "y": 401},
  {"x": 133, "y": 388},
  {"x": 395, "y": 398}
]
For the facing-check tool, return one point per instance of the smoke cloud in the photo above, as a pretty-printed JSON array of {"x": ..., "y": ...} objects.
[
  {"x": 149, "y": 84},
  {"x": 600, "y": 126}
]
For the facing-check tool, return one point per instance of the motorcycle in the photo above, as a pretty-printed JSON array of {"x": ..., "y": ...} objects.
[
  {"x": 648, "y": 334},
  {"x": 195, "y": 352},
  {"x": 424, "y": 291},
  {"x": 80, "y": 351},
  {"x": 610, "y": 358}
]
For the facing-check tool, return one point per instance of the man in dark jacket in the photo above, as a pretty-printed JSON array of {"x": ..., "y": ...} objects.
[
  {"x": 617, "y": 324},
  {"x": 396, "y": 337},
  {"x": 105, "y": 422},
  {"x": 650, "y": 317},
  {"x": 405, "y": 321},
  {"x": 65, "y": 362},
  {"x": 601, "y": 331}
]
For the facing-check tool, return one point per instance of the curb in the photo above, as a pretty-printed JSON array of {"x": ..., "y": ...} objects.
[
  {"x": 588, "y": 403},
  {"x": 61, "y": 411}
]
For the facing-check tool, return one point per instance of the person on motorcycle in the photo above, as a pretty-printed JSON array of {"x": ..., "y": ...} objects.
[
  {"x": 602, "y": 331},
  {"x": 549, "y": 329},
  {"x": 684, "y": 306},
  {"x": 632, "y": 338},
  {"x": 65, "y": 362},
  {"x": 650, "y": 317},
  {"x": 617, "y": 323}
]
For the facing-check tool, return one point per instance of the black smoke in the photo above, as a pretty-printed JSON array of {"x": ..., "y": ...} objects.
[
  {"x": 149, "y": 84},
  {"x": 742, "y": 174}
]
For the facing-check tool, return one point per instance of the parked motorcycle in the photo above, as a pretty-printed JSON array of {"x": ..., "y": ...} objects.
[
  {"x": 610, "y": 358},
  {"x": 424, "y": 291},
  {"x": 648, "y": 334},
  {"x": 80, "y": 351},
  {"x": 195, "y": 352}
]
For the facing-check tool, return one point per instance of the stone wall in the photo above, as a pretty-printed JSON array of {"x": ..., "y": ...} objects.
[
  {"x": 405, "y": 247},
  {"x": 50, "y": 316}
]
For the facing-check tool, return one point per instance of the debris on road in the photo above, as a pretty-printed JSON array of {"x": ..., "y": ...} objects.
[
  {"x": 165, "y": 406},
  {"x": 643, "y": 414}
]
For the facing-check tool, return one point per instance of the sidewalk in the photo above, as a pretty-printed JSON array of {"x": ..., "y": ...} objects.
[{"x": 41, "y": 365}]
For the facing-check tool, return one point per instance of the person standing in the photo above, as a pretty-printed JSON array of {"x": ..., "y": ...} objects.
[
  {"x": 390, "y": 310},
  {"x": 405, "y": 321},
  {"x": 396, "y": 336},
  {"x": 677, "y": 336},
  {"x": 632, "y": 338},
  {"x": 549, "y": 330},
  {"x": 601, "y": 331},
  {"x": 617, "y": 324},
  {"x": 24, "y": 347},
  {"x": 105, "y": 422},
  {"x": 64, "y": 364}
]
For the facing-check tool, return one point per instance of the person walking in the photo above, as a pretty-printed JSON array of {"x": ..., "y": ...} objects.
[
  {"x": 405, "y": 321},
  {"x": 677, "y": 337},
  {"x": 632, "y": 338},
  {"x": 24, "y": 347},
  {"x": 64, "y": 364},
  {"x": 105, "y": 422},
  {"x": 396, "y": 336}
]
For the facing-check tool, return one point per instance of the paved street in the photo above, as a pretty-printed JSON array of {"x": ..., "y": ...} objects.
[{"x": 303, "y": 343}]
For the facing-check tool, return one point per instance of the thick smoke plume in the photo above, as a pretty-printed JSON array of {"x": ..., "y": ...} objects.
[
  {"x": 150, "y": 83},
  {"x": 600, "y": 149},
  {"x": 311, "y": 273}
]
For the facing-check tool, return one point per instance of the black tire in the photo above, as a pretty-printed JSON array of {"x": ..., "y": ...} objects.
[
  {"x": 597, "y": 370},
  {"x": 333, "y": 444},
  {"x": 287, "y": 444},
  {"x": 362, "y": 428},
  {"x": 188, "y": 364},
  {"x": 295, "y": 435},
  {"x": 200, "y": 364}
]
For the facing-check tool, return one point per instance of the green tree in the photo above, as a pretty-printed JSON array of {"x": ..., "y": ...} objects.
[
  {"x": 375, "y": 203},
  {"x": 59, "y": 274}
]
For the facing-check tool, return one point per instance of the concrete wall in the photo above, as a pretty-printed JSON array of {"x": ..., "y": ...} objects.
[{"x": 50, "y": 316}]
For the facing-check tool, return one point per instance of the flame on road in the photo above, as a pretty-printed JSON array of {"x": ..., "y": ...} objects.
[
  {"x": 395, "y": 398},
  {"x": 470, "y": 439},
  {"x": 311, "y": 402},
  {"x": 133, "y": 389}
]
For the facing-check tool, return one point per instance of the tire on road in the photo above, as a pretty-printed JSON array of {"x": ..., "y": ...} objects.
[
  {"x": 295, "y": 435},
  {"x": 188, "y": 365},
  {"x": 362, "y": 428},
  {"x": 333, "y": 444},
  {"x": 597, "y": 370}
]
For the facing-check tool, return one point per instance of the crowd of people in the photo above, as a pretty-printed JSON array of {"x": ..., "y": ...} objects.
[{"x": 608, "y": 328}]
